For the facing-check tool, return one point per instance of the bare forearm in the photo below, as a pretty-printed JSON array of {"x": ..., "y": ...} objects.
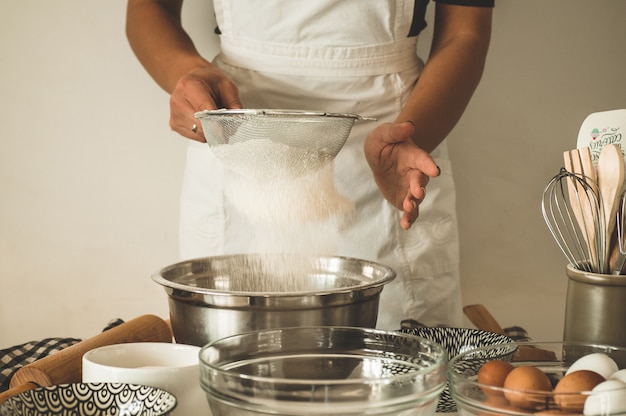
[
  {"x": 156, "y": 36},
  {"x": 449, "y": 79}
]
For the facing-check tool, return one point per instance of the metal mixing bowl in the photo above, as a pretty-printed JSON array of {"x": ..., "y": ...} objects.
[
  {"x": 322, "y": 371},
  {"x": 214, "y": 297}
]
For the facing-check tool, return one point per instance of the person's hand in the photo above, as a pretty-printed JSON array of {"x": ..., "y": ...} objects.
[
  {"x": 401, "y": 169},
  {"x": 202, "y": 89}
]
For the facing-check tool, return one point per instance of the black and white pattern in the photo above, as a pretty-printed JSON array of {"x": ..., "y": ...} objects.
[
  {"x": 398, "y": 353},
  {"x": 96, "y": 399},
  {"x": 456, "y": 341}
]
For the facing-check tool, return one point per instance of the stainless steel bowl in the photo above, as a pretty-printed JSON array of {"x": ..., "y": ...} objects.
[{"x": 214, "y": 297}]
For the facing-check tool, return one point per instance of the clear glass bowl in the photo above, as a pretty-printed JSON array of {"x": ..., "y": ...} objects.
[
  {"x": 323, "y": 371},
  {"x": 554, "y": 359}
]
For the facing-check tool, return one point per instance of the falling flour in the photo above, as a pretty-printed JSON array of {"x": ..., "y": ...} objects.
[
  {"x": 275, "y": 183},
  {"x": 290, "y": 193}
]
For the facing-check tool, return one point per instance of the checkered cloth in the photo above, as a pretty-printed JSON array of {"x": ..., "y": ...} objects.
[{"x": 13, "y": 358}]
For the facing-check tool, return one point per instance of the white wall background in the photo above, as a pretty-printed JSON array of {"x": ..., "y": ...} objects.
[{"x": 90, "y": 172}]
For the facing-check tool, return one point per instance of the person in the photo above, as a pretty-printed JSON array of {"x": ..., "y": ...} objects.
[{"x": 348, "y": 56}]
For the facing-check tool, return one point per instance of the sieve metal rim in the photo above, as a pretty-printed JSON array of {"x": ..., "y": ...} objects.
[{"x": 278, "y": 113}]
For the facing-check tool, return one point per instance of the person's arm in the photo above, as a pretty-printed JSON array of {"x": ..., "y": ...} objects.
[
  {"x": 156, "y": 36},
  {"x": 452, "y": 72},
  {"x": 399, "y": 153}
]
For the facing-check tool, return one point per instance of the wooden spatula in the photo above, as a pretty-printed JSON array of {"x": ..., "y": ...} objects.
[
  {"x": 610, "y": 182},
  {"x": 480, "y": 316},
  {"x": 482, "y": 319}
]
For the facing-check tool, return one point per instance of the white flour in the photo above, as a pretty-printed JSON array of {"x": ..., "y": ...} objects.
[
  {"x": 274, "y": 183},
  {"x": 291, "y": 193}
]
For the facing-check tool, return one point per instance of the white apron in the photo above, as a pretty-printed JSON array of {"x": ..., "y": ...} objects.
[{"x": 349, "y": 56}]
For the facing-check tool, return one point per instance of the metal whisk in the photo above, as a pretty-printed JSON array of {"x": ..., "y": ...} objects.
[{"x": 573, "y": 212}]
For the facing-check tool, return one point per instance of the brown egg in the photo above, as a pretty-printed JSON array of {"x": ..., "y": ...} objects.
[
  {"x": 493, "y": 373},
  {"x": 528, "y": 383},
  {"x": 577, "y": 381}
]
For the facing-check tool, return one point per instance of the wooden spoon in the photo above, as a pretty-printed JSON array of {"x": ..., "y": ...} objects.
[{"x": 610, "y": 182}]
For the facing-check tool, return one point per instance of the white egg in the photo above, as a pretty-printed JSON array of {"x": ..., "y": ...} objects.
[
  {"x": 619, "y": 375},
  {"x": 612, "y": 401},
  {"x": 598, "y": 362}
]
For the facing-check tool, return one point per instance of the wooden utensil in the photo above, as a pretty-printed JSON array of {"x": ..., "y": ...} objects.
[
  {"x": 480, "y": 316},
  {"x": 5, "y": 395},
  {"x": 65, "y": 366},
  {"x": 579, "y": 162},
  {"x": 618, "y": 252},
  {"x": 610, "y": 182}
]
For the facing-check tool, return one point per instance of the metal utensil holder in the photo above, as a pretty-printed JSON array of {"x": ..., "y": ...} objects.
[{"x": 595, "y": 308}]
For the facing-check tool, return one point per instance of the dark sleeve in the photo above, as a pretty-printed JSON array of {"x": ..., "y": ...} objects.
[
  {"x": 419, "y": 11},
  {"x": 475, "y": 3}
]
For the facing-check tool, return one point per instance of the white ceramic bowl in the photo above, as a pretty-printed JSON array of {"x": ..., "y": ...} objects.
[{"x": 171, "y": 367}]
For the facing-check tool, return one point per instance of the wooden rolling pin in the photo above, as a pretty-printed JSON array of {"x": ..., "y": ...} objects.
[
  {"x": 65, "y": 366},
  {"x": 5, "y": 395}
]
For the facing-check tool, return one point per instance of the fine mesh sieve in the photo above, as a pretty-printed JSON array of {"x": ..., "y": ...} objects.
[{"x": 308, "y": 130}]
